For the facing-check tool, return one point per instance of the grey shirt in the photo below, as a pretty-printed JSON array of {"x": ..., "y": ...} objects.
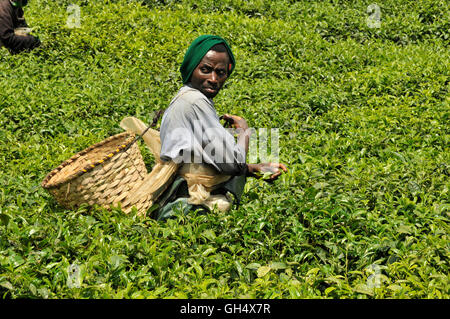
[{"x": 191, "y": 133}]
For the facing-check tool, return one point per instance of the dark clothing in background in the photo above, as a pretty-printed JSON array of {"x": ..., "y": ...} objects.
[{"x": 12, "y": 18}]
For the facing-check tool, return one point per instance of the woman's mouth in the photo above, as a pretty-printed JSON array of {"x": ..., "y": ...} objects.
[{"x": 210, "y": 90}]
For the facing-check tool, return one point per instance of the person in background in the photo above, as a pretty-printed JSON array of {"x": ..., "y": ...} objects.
[{"x": 14, "y": 32}]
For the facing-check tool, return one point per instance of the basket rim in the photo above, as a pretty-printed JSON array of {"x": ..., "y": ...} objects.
[{"x": 130, "y": 140}]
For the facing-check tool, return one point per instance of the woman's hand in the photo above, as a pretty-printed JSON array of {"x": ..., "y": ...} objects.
[
  {"x": 257, "y": 170},
  {"x": 236, "y": 121}
]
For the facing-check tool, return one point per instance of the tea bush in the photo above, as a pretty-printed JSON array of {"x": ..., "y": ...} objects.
[{"x": 363, "y": 117}]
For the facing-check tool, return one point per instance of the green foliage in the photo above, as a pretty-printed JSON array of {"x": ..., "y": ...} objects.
[{"x": 363, "y": 114}]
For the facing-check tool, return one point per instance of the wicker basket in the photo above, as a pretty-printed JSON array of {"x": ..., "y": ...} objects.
[{"x": 104, "y": 174}]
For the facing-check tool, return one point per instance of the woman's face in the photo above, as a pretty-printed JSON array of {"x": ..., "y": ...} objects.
[{"x": 211, "y": 73}]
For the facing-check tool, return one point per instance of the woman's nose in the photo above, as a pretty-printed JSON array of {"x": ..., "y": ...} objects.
[{"x": 213, "y": 77}]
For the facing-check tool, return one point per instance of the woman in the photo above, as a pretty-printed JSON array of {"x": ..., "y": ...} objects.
[
  {"x": 11, "y": 20},
  {"x": 212, "y": 162}
]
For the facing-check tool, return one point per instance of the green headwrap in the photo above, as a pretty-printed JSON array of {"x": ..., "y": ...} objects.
[
  {"x": 19, "y": 4},
  {"x": 197, "y": 51}
]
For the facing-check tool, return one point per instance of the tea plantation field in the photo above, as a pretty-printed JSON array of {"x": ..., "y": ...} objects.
[{"x": 358, "y": 90}]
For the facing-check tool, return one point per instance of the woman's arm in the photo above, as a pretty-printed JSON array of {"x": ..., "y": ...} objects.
[
  {"x": 253, "y": 170},
  {"x": 243, "y": 132}
]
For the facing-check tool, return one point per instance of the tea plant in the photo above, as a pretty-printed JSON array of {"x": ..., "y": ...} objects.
[{"x": 363, "y": 117}]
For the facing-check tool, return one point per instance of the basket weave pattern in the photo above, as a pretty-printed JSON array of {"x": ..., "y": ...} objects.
[{"x": 104, "y": 174}]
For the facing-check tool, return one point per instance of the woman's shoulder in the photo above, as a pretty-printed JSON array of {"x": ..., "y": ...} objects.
[
  {"x": 189, "y": 99},
  {"x": 192, "y": 95}
]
